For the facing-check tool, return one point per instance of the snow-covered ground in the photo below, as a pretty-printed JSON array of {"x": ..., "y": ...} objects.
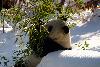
[
  {"x": 9, "y": 45},
  {"x": 88, "y": 31},
  {"x": 71, "y": 58}
]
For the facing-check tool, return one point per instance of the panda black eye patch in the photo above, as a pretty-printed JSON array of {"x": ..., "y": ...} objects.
[
  {"x": 50, "y": 28},
  {"x": 65, "y": 29}
]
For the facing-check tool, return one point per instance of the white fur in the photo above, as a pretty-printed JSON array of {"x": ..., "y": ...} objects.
[
  {"x": 58, "y": 34},
  {"x": 71, "y": 58}
]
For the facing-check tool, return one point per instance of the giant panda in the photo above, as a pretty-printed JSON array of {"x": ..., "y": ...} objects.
[{"x": 58, "y": 39}]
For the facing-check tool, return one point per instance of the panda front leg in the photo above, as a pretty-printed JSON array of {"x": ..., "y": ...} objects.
[{"x": 32, "y": 61}]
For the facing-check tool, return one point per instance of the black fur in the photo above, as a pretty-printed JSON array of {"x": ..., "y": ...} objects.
[
  {"x": 50, "y": 46},
  {"x": 50, "y": 28}
]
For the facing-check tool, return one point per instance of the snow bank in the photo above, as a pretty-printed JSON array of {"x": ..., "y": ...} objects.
[
  {"x": 71, "y": 58},
  {"x": 8, "y": 45},
  {"x": 88, "y": 31}
]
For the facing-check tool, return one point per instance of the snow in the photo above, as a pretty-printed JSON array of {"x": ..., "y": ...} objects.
[
  {"x": 88, "y": 31},
  {"x": 71, "y": 58},
  {"x": 8, "y": 45}
]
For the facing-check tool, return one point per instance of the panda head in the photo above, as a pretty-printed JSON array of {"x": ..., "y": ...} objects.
[{"x": 59, "y": 32}]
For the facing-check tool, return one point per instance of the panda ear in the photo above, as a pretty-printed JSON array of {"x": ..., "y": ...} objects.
[
  {"x": 50, "y": 28},
  {"x": 65, "y": 29}
]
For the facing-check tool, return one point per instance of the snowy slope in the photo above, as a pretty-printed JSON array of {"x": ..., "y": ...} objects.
[
  {"x": 71, "y": 58},
  {"x": 8, "y": 45},
  {"x": 89, "y": 32}
]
